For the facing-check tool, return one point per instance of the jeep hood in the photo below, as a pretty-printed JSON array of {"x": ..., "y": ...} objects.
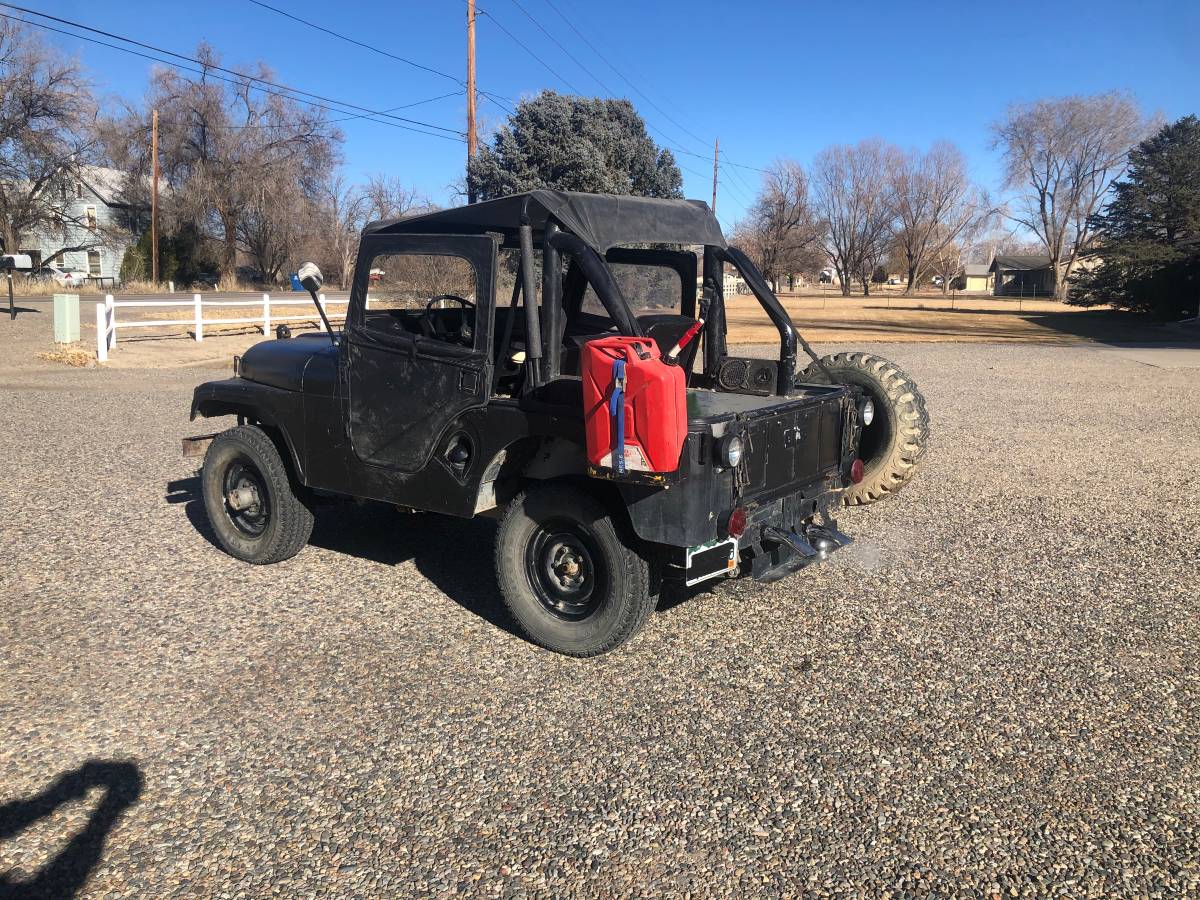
[{"x": 281, "y": 363}]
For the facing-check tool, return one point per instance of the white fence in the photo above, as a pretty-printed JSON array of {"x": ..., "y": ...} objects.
[{"x": 107, "y": 324}]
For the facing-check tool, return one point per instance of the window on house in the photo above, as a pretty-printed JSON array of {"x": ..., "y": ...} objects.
[
  {"x": 79, "y": 190},
  {"x": 90, "y": 212},
  {"x": 94, "y": 263}
]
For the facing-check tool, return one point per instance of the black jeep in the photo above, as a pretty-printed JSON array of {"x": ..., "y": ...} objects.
[{"x": 454, "y": 387}]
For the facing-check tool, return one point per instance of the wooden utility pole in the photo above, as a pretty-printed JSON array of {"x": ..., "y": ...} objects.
[
  {"x": 472, "y": 138},
  {"x": 716, "y": 156},
  {"x": 154, "y": 198}
]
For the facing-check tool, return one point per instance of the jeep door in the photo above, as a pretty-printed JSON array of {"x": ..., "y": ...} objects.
[{"x": 417, "y": 356}]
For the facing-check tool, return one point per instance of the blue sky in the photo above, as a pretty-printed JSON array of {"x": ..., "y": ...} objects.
[{"x": 770, "y": 79}]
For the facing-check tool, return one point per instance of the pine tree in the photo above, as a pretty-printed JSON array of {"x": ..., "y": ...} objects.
[
  {"x": 574, "y": 144},
  {"x": 1149, "y": 234}
]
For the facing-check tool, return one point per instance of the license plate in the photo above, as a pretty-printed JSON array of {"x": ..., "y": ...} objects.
[{"x": 710, "y": 560}]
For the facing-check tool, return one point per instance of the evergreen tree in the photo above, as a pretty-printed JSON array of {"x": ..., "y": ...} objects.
[
  {"x": 1148, "y": 247},
  {"x": 574, "y": 144}
]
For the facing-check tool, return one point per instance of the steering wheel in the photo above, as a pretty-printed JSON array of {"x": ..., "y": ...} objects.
[{"x": 435, "y": 327}]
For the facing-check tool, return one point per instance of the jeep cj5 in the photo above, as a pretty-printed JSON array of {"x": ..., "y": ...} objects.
[{"x": 600, "y": 418}]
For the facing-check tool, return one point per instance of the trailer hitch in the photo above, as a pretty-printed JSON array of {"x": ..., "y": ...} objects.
[{"x": 815, "y": 543}]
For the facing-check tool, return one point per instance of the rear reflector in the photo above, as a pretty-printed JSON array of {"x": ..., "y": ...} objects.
[
  {"x": 856, "y": 471},
  {"x": 736, "y": 526}
]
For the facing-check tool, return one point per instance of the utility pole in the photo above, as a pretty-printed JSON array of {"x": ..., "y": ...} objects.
[
  {"x": 472, "y": 139},
  {"x": 716, "y": 156},
  {"x": 154, "y": 198}
]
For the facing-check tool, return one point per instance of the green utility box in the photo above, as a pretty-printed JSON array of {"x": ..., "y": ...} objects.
[{"x": 66, "y": 318}]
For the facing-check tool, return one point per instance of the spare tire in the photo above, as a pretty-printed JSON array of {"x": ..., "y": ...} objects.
[{"x": 890, "y": 447}]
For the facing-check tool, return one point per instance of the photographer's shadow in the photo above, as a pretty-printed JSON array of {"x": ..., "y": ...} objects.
[{"x": 65, "y": 874}]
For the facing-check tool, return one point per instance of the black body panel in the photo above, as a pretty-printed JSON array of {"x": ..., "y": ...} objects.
[{"x": 281, "y": 363}]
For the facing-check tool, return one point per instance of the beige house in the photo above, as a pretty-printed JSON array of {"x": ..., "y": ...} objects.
[{"x": 976, "y": 278}]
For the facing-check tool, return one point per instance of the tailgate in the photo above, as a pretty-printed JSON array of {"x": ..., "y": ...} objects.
[{"x": 794, "y": 444}]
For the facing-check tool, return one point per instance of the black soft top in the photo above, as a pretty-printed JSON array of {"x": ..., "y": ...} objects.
[{"x": 599, "y": 220}]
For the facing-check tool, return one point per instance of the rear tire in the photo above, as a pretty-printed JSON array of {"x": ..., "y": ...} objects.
[
  {"x": 568, "y": 578},
  {"x": 268, "y": 523},
  {"x": 890, "y": 447}
]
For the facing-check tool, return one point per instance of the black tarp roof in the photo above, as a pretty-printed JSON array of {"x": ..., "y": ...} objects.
[{"x": 600, "y": 220}]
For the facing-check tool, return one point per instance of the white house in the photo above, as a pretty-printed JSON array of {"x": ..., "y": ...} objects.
[{"x": 92, "y": 202}]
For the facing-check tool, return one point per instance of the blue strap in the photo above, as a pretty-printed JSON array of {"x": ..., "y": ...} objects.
[{"x": 616, "y": 409}]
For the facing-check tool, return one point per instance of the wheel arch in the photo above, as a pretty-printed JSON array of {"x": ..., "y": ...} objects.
[{"x": 271, "y": 422}]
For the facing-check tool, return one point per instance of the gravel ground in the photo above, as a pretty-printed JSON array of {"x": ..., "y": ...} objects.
[{"x": 993, "y": 693}]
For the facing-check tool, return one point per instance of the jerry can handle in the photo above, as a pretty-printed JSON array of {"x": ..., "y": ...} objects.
[{"x": 616, "y": 410}]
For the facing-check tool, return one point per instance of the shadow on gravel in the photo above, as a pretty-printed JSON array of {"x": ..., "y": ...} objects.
[
  {"x": 454, "y": 554},
  {"x": 64, "y": 875}
]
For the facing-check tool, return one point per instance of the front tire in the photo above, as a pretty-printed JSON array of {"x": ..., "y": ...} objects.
[
  {"x": 251, "y": 503},
  {"x": 568, "y": 578}
]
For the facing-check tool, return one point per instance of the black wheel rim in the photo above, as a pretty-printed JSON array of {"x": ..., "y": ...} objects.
[
  {"x": 564, "y": 568},
  {"x": 247, "y": 502}
]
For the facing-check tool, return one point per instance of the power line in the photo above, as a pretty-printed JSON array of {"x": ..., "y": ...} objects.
[
  {"x": 242, "y": 77},
  {"x": 571, "y": 56},
  {"x": 333, "y": 121},
  {"x": 671, "y": 144},
  {"x": 496, "y": 99},
  {"x": 208, "y": 74},
  {"x": 733, "y": 189},
  {"x": 522, "y": 45},
  {"x": 621, "y": 75},
  {"x": 640, "y": 93},
  {"x": 359, "y": 43}
]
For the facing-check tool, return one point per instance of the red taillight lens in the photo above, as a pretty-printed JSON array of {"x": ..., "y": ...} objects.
[
  {"x": 856, "y": 471},
  {"x": 736, "y": 526}
]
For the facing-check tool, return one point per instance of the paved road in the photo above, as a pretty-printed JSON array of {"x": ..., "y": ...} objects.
[{"x": 994, "y": 693}]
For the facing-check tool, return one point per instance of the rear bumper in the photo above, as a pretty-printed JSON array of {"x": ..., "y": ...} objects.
[{"x": 790, "y": 535}]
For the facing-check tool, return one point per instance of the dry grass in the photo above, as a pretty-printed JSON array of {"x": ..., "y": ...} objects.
[
  {"x": 969, "y": 317},
  {"x": 69, "y": 355}
]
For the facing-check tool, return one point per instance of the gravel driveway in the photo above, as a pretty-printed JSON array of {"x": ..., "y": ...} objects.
[{"x": 994, "y": 692}]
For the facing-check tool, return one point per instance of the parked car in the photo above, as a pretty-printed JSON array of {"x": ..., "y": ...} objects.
[{"x": 59, "y": 275}]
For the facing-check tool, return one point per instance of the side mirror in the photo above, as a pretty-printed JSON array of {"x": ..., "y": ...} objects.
[{"x": 310, "y": 277}]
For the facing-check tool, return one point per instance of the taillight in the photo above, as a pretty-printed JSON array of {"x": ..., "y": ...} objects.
[
  {"x": 736, "y": 526},
  {"x": 856, "y": 471}
]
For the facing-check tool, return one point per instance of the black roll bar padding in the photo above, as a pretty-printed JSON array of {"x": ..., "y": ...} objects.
[
  {"x": 506, "y": 341},
  {"x": 552, "y": 309},
  {"x": 533, "y": 331},
  {"x": 713, "y": 313},
  {"x": 601, "y": 279}
]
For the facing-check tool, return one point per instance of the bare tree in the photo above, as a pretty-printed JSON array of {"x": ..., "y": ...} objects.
[
  {"x": 954, "y": 247},
  {"x": 388, "y": 198},
  {"x": 780, "y": 231},
  {"x": 45, "y": 140},
  {"x": 1061, "y": 156},
  {"x": 343, "y": 214},
  {"x": 346, "y": 208},
  {"x": 852, "y": 192},
  {"x": 935, "y": 205},
  {"x": 235, "y": 159}
]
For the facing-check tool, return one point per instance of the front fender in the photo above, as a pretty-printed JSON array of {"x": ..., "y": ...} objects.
[{"x": 279, "y": 410}]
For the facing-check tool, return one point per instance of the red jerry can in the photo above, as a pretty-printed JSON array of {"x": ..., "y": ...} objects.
[{"x": 634, "y": 406}]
